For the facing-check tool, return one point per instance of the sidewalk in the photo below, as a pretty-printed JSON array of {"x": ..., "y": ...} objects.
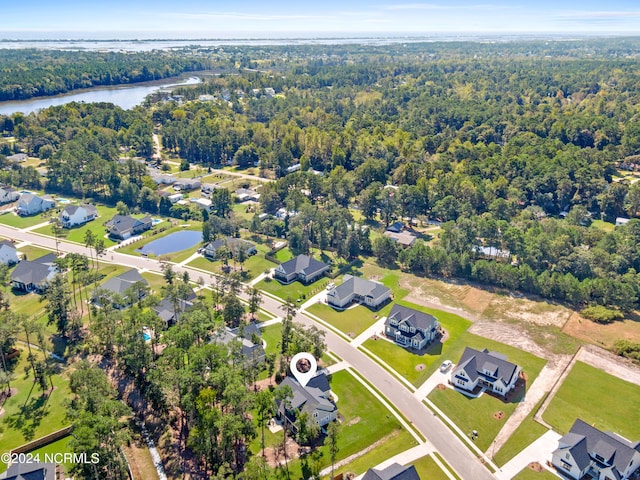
[
  {"x": 35, "y": 227},
  {"x": 260, "y": 277},
  {"x": 539, "y": 451},
  {"x": 375, "y": 329},
  {"x": 317, "y": 298},
  {"x": 188, "y": 260},
  {"x": 432, "y": 382}
]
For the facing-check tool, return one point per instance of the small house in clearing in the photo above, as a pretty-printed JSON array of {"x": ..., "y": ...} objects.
[{"x": 31, "y": 204}]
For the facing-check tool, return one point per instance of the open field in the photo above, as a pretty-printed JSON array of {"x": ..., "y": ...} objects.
[
  {"x": 600, "y": 399},
  {"x": 294, "y": 290},
  {"x": 29, "y": 415},
  {"x": 604, "y": 335}
]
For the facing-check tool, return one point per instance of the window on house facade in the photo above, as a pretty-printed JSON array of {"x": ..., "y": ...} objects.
[{"x": 565, "y": 465}]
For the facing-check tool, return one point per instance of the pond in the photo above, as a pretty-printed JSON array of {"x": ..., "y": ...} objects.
[{"x": 173, "y": 242}]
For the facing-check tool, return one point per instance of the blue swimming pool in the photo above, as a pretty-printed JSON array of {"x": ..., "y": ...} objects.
[
  {"x": 146, "y": 336},
  {"x": 172, "y": 243}
]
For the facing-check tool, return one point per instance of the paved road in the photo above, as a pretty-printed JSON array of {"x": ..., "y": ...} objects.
[{"x": 455, "y": 453}]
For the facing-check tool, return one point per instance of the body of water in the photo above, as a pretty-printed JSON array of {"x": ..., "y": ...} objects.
[
  {"x": 124, "y": 96},
  {"x": 173, "y": 242}
]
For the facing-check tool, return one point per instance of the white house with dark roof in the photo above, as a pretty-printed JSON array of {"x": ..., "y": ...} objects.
[
  {"x": 185, "y": 184},
  {"x": 485, "y": 369},
  {"x": 8, "y": 194},
  {"x": 356, "y": 289},
  {"x": 585, "y": 450},
  {"x": 122, "y": 227},
  {"x": 314, "y": 399},
  {"x": 8, "y": 253},
  {"x": 74, "y": 215},
  {"x": 395, "y": 471},
  {"x": 411, "y": 328},
  {"x": 302, "y": 268},
  {"x": 246, "y": 195},
  {"x": 33, "y": 276},
  {"x": 31, "y": 204}
]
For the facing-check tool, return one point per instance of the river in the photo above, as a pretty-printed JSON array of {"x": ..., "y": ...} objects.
[{"x": 125, "y": 96}]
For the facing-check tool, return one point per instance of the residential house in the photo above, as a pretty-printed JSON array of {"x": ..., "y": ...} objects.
[
  {"x": 207, "y": 189},
  {"x": 356, "y": 289},
  {"x": 161, "y": 178},
  {"x": 395, "y": 471},
  {"x": 283, "y": 213},
  {"x": 121, "y": 227},
  {"x": 186, "y": 184},
  {"x": 269, "y": 92},
  {"x": 293, "y": 168},
  {"x": 32, "y": 204},
  {"x": 622, "y": 221},
  {"x": 588, "y": 452},
  {"x": 485, "y": 369},
  {"x": 18, "y": 157},
  {"x": 404, "y": 238},
  {"x": 302, "y": 268},
  {"x": 203, "y": 203},
  {"x": 251, "y": 352},
  {"x": 411, "y": 328},
  {"x": 8, "y": 253},
  {"x": 171, "y": 311},
  {"x": 118, "y": 287},
  {"x": 246, "y": 195},
  {"x": 314, "y": 399},
  {"x": 8, "y": 195},
  {"x": 33, "y": 276},
  {"x": 175, "y": 198},
  {"x": 74, "y": 215},
  {"x": 395, "y": 227},
  {"x": 492, "y": 252},
  {"x": 31, "y": 471},
  {"x": 233, "y": 244}
]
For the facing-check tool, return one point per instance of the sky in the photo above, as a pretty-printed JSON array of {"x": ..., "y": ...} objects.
[{"x": 285, "y": 18}]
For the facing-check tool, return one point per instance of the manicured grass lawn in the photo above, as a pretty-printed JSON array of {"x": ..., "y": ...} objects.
[
  {"x": 77, "y": 234},
  {"x": 32, "y": 252},
  {"x": 600, "y": 399},
  {"x": 253, "y": 266},
  {"x": 528, "y": 474},
  {"x": 602, "y": 225},
  {"x": 405, "y": 362},
  {"x": 477, "y": 413},
  {"x": 59, "y": 446},
  {"x": 295, "y": 290},
  {"x": 156, "y": 282},
  {"x": 427, "y": 468},
  {"x": 353, "y": 321},
  {"x": 29, "y": 415},
  {"x": 13, "y": 220},
  {"x": 526, "y": 433},
  {"x": 272, "y": 335},
  {"x": 284, "y": 255}
]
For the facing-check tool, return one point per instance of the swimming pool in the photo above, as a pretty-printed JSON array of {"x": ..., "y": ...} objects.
[
  {"x": 156, "y": 221},
  {"x": 63, "y": 200},
  {"x": 172, "y": 243},
  {"x": 146, "y": 336}
]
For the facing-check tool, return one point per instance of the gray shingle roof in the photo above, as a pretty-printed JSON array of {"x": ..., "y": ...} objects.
[
  {"x": 314, "y": 396},
  {"x": 359, "y": 286},
  {"x": 303, "y": 264},
  {"x": 123, "y": 282},
  {"x": 33, "y": 272},
  {"x": 394, "y": 471},
  {"x": 474, "y": 362},
  {"x": 412, "y": 318}
]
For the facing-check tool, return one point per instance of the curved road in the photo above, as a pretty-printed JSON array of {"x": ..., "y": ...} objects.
[{"x": 455, "y": 453}]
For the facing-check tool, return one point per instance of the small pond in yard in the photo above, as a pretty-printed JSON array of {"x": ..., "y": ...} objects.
[{"x": 173, "y": 242}]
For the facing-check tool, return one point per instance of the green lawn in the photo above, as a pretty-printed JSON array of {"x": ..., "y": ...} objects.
[
  {"x": 272, "y": 335},
  {"x": 32, "y": 252},
  {"x": 528, "y": 474},
  {"x": 526, "y": 433},
  {"x": 405, "y": 362},
  {"x": 600, "y": 399},
  {"x": 477, "y": 413},
  {"x": 352, "y": 322},
  {"x": 253, "y": 266},
  {"x": 59, "y": 446},
  {"x": 295, "y": 290},
  {"x": 428, "y": 469},
  {"x": 13, "y": 220},
  {"x": 284, "y": 255},
  {"x": 29, "y": 415}
]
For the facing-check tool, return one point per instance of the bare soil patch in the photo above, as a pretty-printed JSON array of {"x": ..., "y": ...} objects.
[
  {"x": 509, "y": 334},
  {"x": 441, "y": 386},
  {"x": 527, "y": 310},
  {"x": 420, "y": 367},
  {"x": 604, "y": 335},
  {"x": 477, "y": 300},
  {"x": 499, "y": 415},
  {"x": 536, "y": 467},
  {"x": 275, "y": 456},
  {"x": 1, "y": 411},
  {"x": 353, "y": 421}
]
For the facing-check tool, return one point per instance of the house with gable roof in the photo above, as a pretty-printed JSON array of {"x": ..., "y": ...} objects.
[
  {"x": 8, "y": 253},
  {"x": 587, "y": 451},
  {"x": 31, "y": 204},
  {"x": 121, "y": 227},
  {"x": 74, "y": 215},
  {"x": 411, "y": 328},
  {"x": 314, "y": 399},
  {"x": 303, "y": 268},
  {"x": 33, "y": 276},
  {"x": 485, "y": 369},
  {"x": 119, "y": 286},
  {"x": 356, "y": 289},
  {"x": 8, "y": 194}
]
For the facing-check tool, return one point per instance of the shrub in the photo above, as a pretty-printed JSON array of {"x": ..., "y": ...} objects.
[
  {"x": 628, "y": 349},
  {"x": 600, "y": 314}
]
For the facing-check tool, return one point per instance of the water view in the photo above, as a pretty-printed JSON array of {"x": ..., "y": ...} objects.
[
  {"x": 172, "y": 243},
  {"x": 125, "y": 96}
]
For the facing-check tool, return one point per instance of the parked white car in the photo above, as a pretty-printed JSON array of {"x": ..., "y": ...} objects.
[{"x": 446, "y": 365}]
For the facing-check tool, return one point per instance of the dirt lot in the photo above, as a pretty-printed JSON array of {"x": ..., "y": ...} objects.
[{"x": 603, "y": 335}]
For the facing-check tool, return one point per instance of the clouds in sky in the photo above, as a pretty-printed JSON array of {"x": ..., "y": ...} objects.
[{"x": 211, "y": 18}]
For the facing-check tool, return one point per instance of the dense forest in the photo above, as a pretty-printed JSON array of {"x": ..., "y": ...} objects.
[
  {"x": 35, "y": 73},
  {"x": 498, "y": 142}
]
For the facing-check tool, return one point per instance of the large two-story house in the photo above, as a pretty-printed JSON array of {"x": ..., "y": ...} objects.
[
  {"x": 8, "y": 253},
  {"x": 314, "y": 399},
  {"x": 585, "y": 450},
  {"x": 302, "y": 268},
  {"x": 356, "y": 289},
  {"x": 8, "y": 194},
  {"x": 31, "y": 204},
  {"x": 411, "y": 328},
  {"x": 485, "y": 369},
  {"x": 74, "y": 215}
]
